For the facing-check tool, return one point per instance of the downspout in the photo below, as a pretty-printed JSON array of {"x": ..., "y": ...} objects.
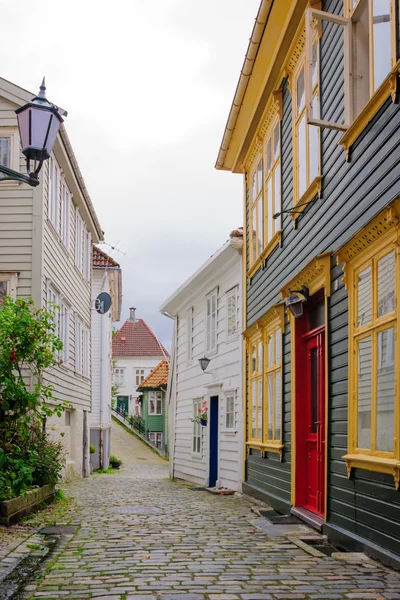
[
  {"x": 245, "y": 74},
  {"x": 102, "y": 321}
]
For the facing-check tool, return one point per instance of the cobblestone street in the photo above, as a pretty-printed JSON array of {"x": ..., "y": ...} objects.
[{"x": 143, "y": 536}]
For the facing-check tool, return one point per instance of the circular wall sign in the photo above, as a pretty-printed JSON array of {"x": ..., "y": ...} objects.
[{"x": 103, "y": 303}]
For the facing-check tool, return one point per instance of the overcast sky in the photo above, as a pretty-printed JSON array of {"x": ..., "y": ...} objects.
[{"x": 148, "y": 86}]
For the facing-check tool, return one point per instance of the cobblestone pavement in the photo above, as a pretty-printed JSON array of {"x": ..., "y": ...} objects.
[{"x": 144, "y": 537}]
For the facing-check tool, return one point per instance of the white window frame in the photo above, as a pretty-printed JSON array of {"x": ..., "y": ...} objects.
[
  {"x": 11, "y": 279},
  {"x": 78, "y": 346},
  {"x": 156, "y": 398},
  {"x": 119, "y": 375},
  {"x": 65, "y": 214},
  {"x": 228, "y": 395},
  {"x": 140, "y": 376},
  {"x": 211, "y": 343},
  {"x": 87, "y": 254},
  {"x": 197, "y": 437},
  {"x": 189, "y": 336},
  {"x": 79, "y": 228},
  {"x": 154, "y": 436},
  {"x": 13, "y": 133},
  {"x": 54, "y": 298},
  {"x": 231, "y": 294},
  {"x": 85, "y": 351},
  {"x": 54, "y": 192},
  {"x": 64, "y": 319}
]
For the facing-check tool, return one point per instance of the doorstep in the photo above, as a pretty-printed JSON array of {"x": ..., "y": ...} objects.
[{"x": 313, "y": 520}]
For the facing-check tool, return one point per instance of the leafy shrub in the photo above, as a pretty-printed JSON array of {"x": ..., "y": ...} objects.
[
  {"x": 136, "y": 421},
  {"x": 115, "y": 462},
  {"x": 92, "y": 448}
]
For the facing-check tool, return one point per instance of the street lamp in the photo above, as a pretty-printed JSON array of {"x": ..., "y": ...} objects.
[
  {"x": 204, "y": 362},
  {"x": 38, "y": 122},
  {"x": 295, "y": 304}
]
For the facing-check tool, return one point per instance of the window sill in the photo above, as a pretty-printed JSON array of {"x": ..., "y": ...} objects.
[
  {"x": 276, "y": 447},
  {"x": 272, "y": 244},
  {"x": 379, "y": 464},
  {"x": 10, "y": 183},
  {"x": 313, "y": 189},
  {"x": 386, "y": 89}
]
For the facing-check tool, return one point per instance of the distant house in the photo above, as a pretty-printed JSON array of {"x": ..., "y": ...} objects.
[
  {"x": 46, "y": 236},
  {"x": 208, "y": 323},
  {"x": 154, "y": 406},
  {"x": 136, "y": 351},
  {"x": 107, "y": 278}
]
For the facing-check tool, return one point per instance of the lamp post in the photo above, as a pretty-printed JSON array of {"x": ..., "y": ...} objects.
[
  {"x": 295, "y": 304},
  {"x": 38, "y": 122}
]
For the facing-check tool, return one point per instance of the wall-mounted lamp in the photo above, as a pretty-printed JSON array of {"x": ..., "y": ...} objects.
[
  {"x": 295, "y": 303},
  {"x": 204, "y": 362}
]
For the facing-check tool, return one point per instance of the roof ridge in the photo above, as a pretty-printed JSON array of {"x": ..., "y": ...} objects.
[{"x": 154, "y": 336}]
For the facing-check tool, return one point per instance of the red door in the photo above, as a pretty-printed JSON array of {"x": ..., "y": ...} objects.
[
  {"x": 315, "y": 422},
  {"x": 310, "y": 408}
]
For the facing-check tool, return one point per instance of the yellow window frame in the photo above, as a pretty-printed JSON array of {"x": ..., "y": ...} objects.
[
  {"x": 389, "y": 241},
  {"x": 272, "y": 370},
  {"x": 256, "y": 204},
  {"x": 271, "y": 164},
  {"x": 313, "y": 186},
  {"x": 255, "y": 377}
]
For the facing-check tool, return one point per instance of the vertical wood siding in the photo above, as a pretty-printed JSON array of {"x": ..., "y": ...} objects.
[{"x": 352, "y": 194}]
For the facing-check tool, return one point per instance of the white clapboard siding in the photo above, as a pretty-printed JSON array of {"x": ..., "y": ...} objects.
[{"x": 224, "y": 369}]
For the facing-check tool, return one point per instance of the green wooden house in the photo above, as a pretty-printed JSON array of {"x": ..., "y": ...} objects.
[{"x": 154, "y": 406}]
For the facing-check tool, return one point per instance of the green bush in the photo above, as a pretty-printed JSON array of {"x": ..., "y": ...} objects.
[
  {"x": 28, "y": 347},
  {"x": 92, "y": 448},
  {"x": 115, "y": 462}
]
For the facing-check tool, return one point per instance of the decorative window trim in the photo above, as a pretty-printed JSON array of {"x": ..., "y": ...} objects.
[
  {"x": 54, "y": 195},
  {"x": 12, "y": 282},
  {"x": 79, "y": 243},
  {"x": 65, "y": 222},
  {"x": 197, "y": 432},
  {"x": 229, "y": 394},
  {"x": 13, "y": 133},
  {"x": 78, "y": 346},
  {"x": 139, "y": 376},
  {"x": 313, "y": 190},
  {"x": 212, "y": 349},
  {"x": 380, "y": 236},
  {"x": 231, "y": 293},
  {"x": 274, "y": 107},
  {"x": 64, "y": 329},
  {"x": 119, "y": 375},
  {"x": 269, "y": 248}
]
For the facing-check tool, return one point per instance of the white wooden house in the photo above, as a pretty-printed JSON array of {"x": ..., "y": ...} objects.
[
  {"x": 136, "y": 352},
  {"x": 208, "y": 322},
  {"x": 106, "y": 277},
  {"x": 46, "y": 236}
]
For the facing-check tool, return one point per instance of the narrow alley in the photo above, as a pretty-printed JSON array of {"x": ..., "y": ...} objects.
[{"x": 143, "y": 536}]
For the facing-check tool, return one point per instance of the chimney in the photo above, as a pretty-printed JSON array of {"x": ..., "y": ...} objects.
[{"x": 132, "y": 315}]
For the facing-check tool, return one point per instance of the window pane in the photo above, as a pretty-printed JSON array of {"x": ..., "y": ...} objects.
[
  {"x": 300, "y": 92},
  {"x": 259, "y": 366},
  {"x": 364, "y": 297},
  {"x": 260, "y": 224},
  {"x": 270, "y": 406},
  {"x": 253, "y": 359},
  {"x": 277, "y": 141},
  {"x": 278, "y": 403},
  {"x": 314, "y": 65},
  {"x": 385, "y": 391},
  {"x": 270, "y": 350},
  {"x": 5, "y": 151},
  {"x": 302, "y": 156},
  {"x": 3, "y": 290},
  {"x": 254, "y": 224},
  {"x": 259, "y": 176},
  {"x": 386, "y": 284},
  {"x": 269, "y": 156},
  {"x": 277, "y": 195},
  {"x": 254, "y": 186},
  {"x": 278, "y": 346},
  {"x": 314, "y": 152},
  {"x": 364, "y": 392},
  {"x": 381, "y": 41},
  {"x": 253, "y": 410},
  {"x": 270, "y": 209},
  {"x": 259, "y": 409}
]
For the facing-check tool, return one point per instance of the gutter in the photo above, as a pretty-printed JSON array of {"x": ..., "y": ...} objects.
[
  {"x": 82, "y": 185},
  {"x": 245, "y": 74}
]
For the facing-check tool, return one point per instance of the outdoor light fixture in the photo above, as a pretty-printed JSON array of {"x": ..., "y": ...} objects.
[
  {"x": 204, "y": 362},
  {"x": 38, "y": 122},
  {"x": 295, "y": 304}
]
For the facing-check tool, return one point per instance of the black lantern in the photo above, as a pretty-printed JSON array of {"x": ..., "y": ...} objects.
[
  {"x": 38, "y": 122},
  {"x": 204, "y": 362},
  {"x": 295, "y": 304}
]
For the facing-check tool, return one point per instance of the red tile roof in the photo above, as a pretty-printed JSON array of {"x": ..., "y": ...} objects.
[
  {"x": 157, "y": 377},
  {"x": 135, "y": 338},
  {"x": 101, "y": 259}
]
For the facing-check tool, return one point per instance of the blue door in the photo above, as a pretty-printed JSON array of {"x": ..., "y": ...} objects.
[{"x": 213, "y": 441}]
